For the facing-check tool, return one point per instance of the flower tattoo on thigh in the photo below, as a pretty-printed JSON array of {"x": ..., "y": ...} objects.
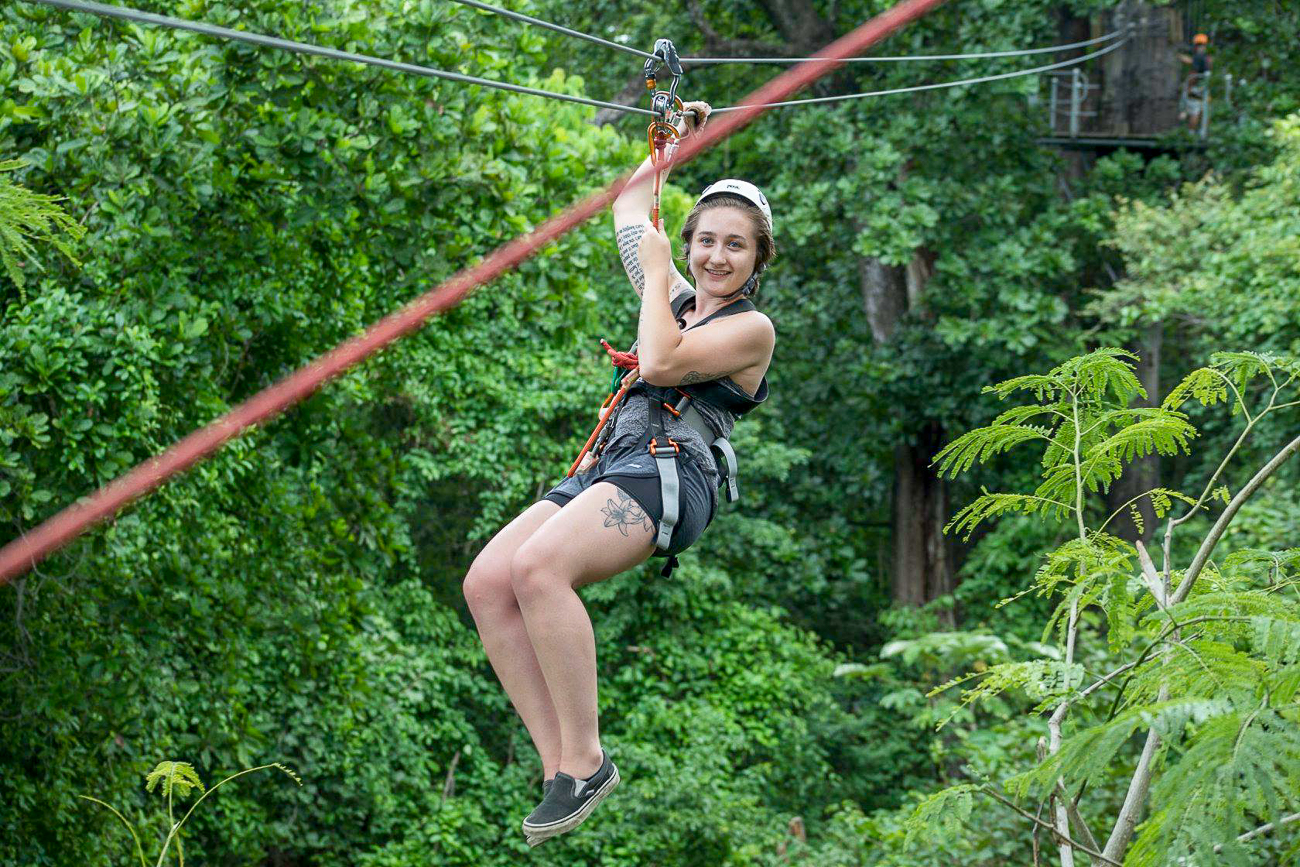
[{"x": 624, "y": 513}]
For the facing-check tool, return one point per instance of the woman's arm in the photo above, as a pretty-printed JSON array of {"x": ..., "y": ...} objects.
[
  {"x": 632, "y": 211},
  {"x": 667, "y": 355}
]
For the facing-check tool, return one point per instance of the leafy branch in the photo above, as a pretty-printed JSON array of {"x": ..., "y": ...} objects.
[
  {"x": 179, "y": 778},
  {"x": 27, "y": 217},
  {"x": 1227, "y": 692}
]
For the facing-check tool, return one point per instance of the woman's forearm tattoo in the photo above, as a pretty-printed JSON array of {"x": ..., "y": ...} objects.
[{"x": 629, "y": 243}]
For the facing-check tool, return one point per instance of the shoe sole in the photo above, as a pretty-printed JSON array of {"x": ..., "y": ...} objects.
[{"x": 537, "y": 834}]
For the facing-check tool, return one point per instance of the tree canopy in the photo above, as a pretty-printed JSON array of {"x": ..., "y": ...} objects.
[{"x": 183, "y": 222}]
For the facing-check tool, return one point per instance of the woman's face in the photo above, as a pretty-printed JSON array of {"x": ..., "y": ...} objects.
[{"x": 723, "y": 251}]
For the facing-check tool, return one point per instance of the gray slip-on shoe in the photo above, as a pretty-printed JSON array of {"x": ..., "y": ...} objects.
[{"x": 568, "y": 802}]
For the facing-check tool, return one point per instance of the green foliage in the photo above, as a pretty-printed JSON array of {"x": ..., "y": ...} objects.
[
  {"x": 177, "y": 777},
  {"x": 299, "y": 594},
  {"x": 948, "y": 810},
  {"x": 28, "y": 219},
  {"x": 180, "y": 778},
  {"x": 1044, "y": 680},
  {"x": 1218, "y": 261},
  {"x": 1089, "y": 433},
  {"x": 1207, "y": 656}
]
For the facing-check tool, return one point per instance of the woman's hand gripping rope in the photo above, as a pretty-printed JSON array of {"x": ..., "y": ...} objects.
[
  {"x": 656, "y": 254},
  {"x": 694, "y": 115}
]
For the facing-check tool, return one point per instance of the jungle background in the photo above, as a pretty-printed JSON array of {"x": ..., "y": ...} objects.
[{"x": 297, "y": 597}]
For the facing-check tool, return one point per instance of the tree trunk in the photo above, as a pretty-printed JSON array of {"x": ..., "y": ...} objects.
[
  {"x": 921, "y": 563},
  {"x": 799, "y": 23},
  {"x": 1141, "y": 80},
  {"x": 1144, "y": 473}
]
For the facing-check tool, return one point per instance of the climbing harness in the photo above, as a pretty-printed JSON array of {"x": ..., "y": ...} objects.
[
  {"x": 662, "y": 138},
  {"x": 682, "y": 402}
]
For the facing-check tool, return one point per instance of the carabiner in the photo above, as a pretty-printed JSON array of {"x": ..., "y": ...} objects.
[
  {"x": 661, "y": 136},
  {"x": 665, "y": 54},
  {"x": 666, "y": 105}
]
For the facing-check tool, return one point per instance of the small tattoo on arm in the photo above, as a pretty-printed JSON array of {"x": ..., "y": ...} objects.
[
  {"x": 695, "y": 376},
  {"x": 625, "y": 513},
  {"x": 629, "y": 244}
]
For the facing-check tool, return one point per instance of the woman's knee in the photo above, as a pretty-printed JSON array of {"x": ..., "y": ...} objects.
[
  {"x": 487, "y": 585},
  {"x": 534, "y": 569}
]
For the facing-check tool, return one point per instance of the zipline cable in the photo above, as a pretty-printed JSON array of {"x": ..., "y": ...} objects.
[
  {"x": 258, "y": 39},
  {"x": 1064, "y": 63},
  {"x": 537, "y": 22},
  {"x": 974, "y": 56},
  {"x": 30, "y": 548}
]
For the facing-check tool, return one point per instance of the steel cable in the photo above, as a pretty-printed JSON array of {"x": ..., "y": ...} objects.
[
  {"x": 258, "y": 39},
  {"x": 904, "y": 57},
  {"x": 1073, "y": 62},
  {"x": 30, "y": 548},
  {"x": 537, "y": 22}
]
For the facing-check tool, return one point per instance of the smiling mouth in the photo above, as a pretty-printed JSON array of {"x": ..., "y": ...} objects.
[{"x": 718, "y": 274}]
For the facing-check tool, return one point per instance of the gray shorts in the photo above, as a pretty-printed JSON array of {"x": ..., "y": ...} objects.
[{"x": 633, "y": 470}]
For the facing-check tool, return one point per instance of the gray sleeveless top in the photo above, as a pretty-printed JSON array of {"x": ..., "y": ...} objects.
[{"x": 633, "y": 418}]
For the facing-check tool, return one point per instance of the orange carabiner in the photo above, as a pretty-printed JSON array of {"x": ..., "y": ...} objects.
[
  {"x": 659, "y": 134},
  {"x": 662, "y": 137}
]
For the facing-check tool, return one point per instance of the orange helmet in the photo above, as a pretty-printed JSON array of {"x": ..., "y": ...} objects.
[{"x": 1200, "y": 39}]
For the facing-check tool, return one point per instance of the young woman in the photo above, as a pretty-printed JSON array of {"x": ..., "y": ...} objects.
[{"x": 610, "y": 515}]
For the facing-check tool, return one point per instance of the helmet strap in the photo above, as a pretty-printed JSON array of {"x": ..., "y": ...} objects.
[{"x": 746, "y": 290}]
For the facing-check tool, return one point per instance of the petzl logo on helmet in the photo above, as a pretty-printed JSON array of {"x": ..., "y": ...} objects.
[{"x": 743, "y": 189}]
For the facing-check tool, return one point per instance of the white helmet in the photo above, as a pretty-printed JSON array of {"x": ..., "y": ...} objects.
[{"x": 745, "y": 190}]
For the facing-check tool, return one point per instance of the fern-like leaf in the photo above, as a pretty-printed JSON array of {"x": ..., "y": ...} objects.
[
  {"x": 982, "y": 444},
  {"x": 1205, "y": 385},
  {"x": 989, "y": 506},
  {"x": 178, "y": 777},
  {"x": 947, "y": 809},
  {"x": 1042, "y": 680},
  {"x": 25, "y": 217},
  {"x": 1235, "y": 772},
  {"x": 1087, "y": 755}
]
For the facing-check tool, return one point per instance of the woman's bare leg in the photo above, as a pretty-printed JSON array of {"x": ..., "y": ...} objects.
[
  {"x": 501, "y": 628},
  {"x": 601, "y": 533}
]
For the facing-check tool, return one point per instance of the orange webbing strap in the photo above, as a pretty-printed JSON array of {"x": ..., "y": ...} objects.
[{"x": 608, "y": 407}]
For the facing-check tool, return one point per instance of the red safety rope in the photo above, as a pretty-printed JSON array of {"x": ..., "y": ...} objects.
[
  {"x": 625, "y": 360},
  {"x": 30, "y": 548}
]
